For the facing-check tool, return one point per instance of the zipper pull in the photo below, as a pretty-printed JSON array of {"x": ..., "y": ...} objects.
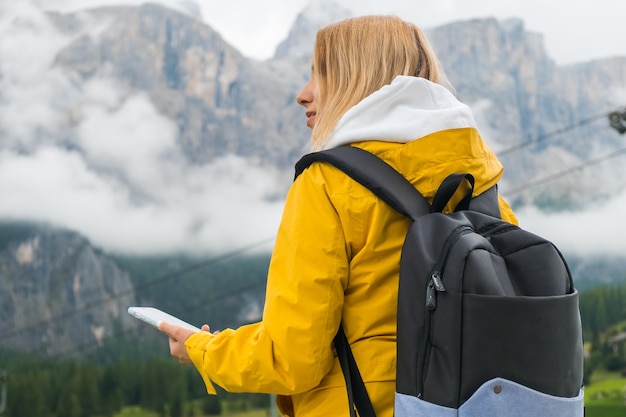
[
  {"x": 437, "y": 281},
  {"x": 435, "y": 285},
  {"x": 431, "y": 296}
]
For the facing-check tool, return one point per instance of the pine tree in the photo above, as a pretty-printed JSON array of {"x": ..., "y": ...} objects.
[{"x": 69, "y": 406}]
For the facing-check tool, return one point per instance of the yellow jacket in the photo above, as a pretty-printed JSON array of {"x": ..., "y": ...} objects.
[
  {"x": 337, "y": 253},
  {"x": 336, "y": 258}
]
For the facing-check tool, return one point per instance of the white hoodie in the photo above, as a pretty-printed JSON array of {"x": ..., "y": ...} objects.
[{"x": 407, "y": 109}]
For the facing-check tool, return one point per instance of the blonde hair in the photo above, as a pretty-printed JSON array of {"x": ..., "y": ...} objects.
[{"x": 357, "y": 56}]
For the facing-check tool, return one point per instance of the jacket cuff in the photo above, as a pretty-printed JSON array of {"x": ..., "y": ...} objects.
[{"x": 194, "y": 345}]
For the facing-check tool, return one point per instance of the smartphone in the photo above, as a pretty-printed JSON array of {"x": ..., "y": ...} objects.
[{"x": 154, "y": 317}]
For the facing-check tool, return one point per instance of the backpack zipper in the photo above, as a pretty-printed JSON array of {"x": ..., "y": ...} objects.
[{"x": 434, "y": 286}]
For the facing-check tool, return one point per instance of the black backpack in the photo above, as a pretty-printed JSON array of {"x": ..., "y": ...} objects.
[{"x": 488, "y": 316}]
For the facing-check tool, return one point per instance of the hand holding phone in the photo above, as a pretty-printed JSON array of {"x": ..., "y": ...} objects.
[{"x": 154, "y": 317}]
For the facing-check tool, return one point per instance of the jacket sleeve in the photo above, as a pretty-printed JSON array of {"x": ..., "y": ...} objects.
[{"x": 290, "y": 350}]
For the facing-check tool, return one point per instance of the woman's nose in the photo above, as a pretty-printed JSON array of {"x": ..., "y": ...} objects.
[{"x": 305, "y": 96}]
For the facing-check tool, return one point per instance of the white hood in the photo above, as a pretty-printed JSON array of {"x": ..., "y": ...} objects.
[{"x": 405, "y": 110}]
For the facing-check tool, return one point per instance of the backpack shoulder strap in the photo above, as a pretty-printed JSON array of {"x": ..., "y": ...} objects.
[
  {"x": 357, "y": 393},
  {"x": 375, "y": 174}
]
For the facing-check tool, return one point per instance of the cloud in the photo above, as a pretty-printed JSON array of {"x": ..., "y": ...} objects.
[
  {"x": 119, "y": 176},
  {"x": 133, "y": 139},
  {"x": 594, "y": 232},
  {"x": 192, "y": 214},
  {"x": 26, "y": 83}
]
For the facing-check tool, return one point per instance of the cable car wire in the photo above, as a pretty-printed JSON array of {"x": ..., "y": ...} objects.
[
  {"x": 568, "y": 171},
  {"x": 552, "y": 134}
]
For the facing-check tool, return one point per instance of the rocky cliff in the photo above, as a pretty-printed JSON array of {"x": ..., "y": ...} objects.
[
  {"x": 220, "y": 101},
  {"x": 520, "y": 97},
  {"x": 58, "y": 295}
]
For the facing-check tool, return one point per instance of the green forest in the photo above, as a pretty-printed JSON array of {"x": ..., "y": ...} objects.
[
  {"x": 133, "y": 371},
  {"x": 70, "y": 388},
  {"x": 603, "y": 314}
]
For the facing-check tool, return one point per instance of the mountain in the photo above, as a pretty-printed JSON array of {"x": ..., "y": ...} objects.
[
  {"x": 298, "y": 45},
  {"x": 192, "y": 76},
  {"x": 155, "y": 106},
  {"x": 222, "y": 102},
  {"x": 520, "y": 96},
  {"x": 139, "y": 130},
  {"x": 57, "y": 292}
]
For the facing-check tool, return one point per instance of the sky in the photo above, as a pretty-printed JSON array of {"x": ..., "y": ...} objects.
[
  {"x": 574, "y": 30},
  {"x": 157, "y": 203}
]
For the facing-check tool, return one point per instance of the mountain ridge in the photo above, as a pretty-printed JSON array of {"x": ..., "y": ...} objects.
[
  {"x": 154, "y": 104},
  {"x": 146, "y": 132}
]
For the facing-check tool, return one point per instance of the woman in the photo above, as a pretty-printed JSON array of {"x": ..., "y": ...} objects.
[{"x": 375, "y": 83}]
